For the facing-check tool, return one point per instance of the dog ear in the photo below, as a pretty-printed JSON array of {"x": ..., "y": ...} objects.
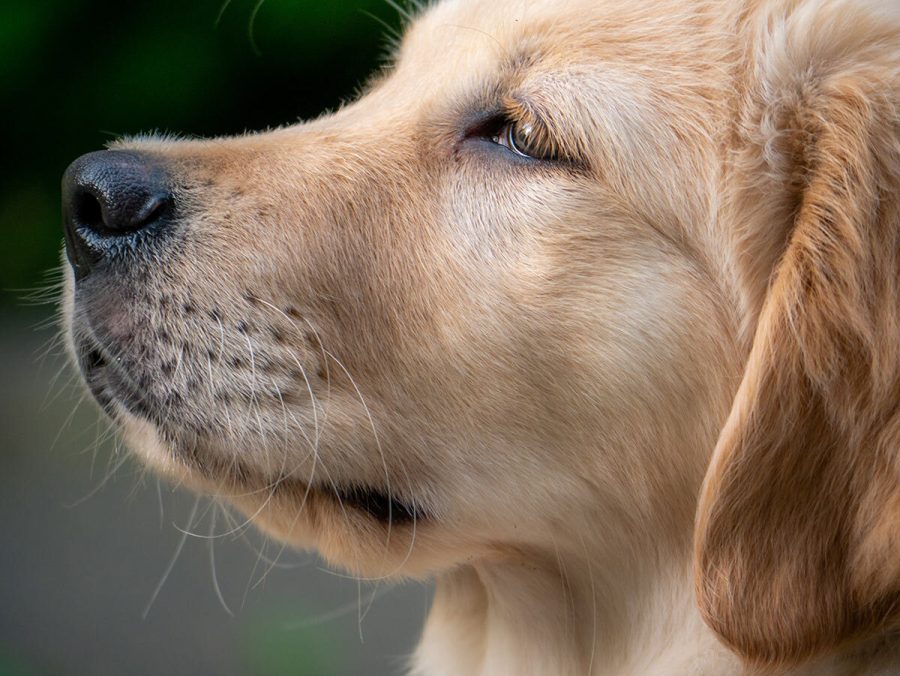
[{"x": 797, "y": 547}]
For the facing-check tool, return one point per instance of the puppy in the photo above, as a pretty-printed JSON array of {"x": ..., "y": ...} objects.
[{"x": 588, "y": 310}]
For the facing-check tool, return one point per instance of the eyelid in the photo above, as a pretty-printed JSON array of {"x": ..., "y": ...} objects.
[
  {"x": 491, "y": 122},
  {"x": 507, "y": 110},
  {"x": 518, "y": 112}
]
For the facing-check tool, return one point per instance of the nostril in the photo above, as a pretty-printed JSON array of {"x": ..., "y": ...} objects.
[
  {"x": 157, "y": 208},
  {"x": 127, "y": 214},
  {"x": 109, "y": 197},
  {"x": 87, "y": 211}
]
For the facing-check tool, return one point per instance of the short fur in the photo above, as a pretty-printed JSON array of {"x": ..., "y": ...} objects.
[{"x": 550, "y": 362}]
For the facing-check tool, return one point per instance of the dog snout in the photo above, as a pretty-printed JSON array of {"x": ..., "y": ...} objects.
[{"x": 109, "y": 196}]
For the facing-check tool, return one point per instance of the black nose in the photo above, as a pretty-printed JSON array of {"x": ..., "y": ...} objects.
[{"x": 107, "y": 197}]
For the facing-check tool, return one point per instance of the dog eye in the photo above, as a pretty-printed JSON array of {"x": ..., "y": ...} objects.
[{"x": 523, "y": 139}]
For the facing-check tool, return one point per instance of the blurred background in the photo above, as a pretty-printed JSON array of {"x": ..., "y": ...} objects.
[{"x": 96, "y": 574}]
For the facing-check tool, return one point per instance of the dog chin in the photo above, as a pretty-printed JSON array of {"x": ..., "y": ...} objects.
[
  {"x": 362, "y": 530},
  {"x": 145, "y": 441}
]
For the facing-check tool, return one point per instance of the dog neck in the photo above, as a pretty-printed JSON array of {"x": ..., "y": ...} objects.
[{"x": 567, "y": 612}]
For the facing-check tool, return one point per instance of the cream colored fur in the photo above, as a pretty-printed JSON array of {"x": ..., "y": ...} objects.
[{"x": 541, "y": 356}]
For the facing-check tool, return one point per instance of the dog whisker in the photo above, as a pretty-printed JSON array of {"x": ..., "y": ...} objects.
[
  {"x": 368, "y": 413},
  {"x": 171, "y": 565},
  {"x": 336, "y": 613},
  {"x": 300, "y": 367},
  {"x": 159, "y": 498},
  {"x": 110, "y": 472},
  {"x": 68, "y": 421},
  {"x": 212, "y": 565}
]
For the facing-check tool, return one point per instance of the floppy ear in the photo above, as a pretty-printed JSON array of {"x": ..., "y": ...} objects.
[{"x": 797, "y": 548}]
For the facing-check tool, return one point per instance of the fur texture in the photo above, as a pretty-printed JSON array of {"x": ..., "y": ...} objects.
[{"x": 542, "y": 365}]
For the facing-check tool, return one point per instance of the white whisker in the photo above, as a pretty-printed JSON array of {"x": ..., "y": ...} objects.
[
  {"x": 106, "y": 477},
  {"x": 172, "y": 561},
  {"x": 212, "y": 565}
]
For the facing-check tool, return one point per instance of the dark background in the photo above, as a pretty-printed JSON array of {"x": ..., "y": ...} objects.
[{"x": 81, "y": 555}]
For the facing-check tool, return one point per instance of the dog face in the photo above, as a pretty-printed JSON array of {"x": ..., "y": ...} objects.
[
  {"x": 492, "y": 306},
  {"x": 394, "y": 305}
]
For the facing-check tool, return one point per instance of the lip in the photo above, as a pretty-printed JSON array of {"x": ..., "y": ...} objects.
[
  {"x": 93, "y": 365},
  {"x": 115, "y": 392},
  {"x": 378, "y": 504},
  {"x": 109, "y": 384}
]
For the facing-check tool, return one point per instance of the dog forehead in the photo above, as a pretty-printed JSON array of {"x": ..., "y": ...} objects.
[
  {"x": 456, "y": 47},
  {"x": 466, "y": 35},
  {"x": 460, "y": 41}
]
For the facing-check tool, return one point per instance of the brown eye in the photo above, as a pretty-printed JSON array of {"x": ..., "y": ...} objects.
[{"x": 522, "y": 139}]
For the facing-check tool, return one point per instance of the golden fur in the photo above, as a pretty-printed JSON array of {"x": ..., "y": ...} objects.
[{"x": 540, "y": 356}]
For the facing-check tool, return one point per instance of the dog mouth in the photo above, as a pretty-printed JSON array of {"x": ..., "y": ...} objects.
[
  {"x": 113, "y": 389},
  {"x": 381, "y": 505},
  {"x": 93, "y": 367},
  {"x": 109, "y": 384}
]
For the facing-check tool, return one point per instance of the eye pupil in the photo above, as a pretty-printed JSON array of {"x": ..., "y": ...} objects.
[
  {"x": 523, "y": 139},
  {"x": 520, "y": 139}
]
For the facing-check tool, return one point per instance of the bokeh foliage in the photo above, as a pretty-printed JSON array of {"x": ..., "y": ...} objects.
[{"x": 75, "y": 74}]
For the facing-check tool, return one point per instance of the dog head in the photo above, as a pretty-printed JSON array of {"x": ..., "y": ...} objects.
[{"x": 503, "y": 300}]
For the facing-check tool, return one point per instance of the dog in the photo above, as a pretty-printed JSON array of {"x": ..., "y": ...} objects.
[{"x": 589, "y": 311}]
